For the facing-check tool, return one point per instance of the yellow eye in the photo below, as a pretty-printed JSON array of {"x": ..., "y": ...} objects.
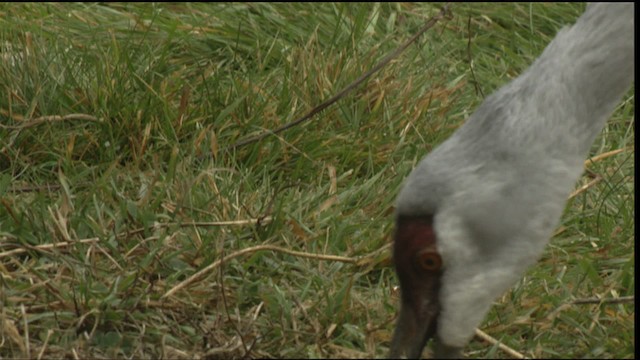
[{"x": 429, "y": 260}]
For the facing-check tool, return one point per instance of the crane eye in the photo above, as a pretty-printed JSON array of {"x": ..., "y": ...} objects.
[{"x": 429, "y": 260}]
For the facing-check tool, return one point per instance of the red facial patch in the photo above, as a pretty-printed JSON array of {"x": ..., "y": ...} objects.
[
  {"x": 413, "y": 234},
  {"x": 416, "y": 229},
  {"x": 416, "y": 257}
]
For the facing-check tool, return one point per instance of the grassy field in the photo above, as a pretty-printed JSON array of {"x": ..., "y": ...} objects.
[{"x": 121, "y": 194}]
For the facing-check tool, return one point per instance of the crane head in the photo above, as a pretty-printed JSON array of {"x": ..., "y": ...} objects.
[{"x": 457, "y": 248}]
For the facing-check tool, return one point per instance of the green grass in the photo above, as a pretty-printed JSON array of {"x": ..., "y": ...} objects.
[{"x": 173, "y": 86}]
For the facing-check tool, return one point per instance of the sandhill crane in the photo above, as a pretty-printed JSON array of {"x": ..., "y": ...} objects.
[{"x": 480, "y": 208}]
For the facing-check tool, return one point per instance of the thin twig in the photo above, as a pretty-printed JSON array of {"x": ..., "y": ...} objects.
[
  {"x": 29, "y": 188},
  {"x": 48, "y": 187},
  {"x": 488, "y": 338},
  {"x": 566, "y": 305},
  {"x": 619, "y": 300},
  {"x": 62, "y": 244},
  {"x": 251, "y": 250},
  {"x": 429, "y": 24},
  {"x": 260, "y": 220},
  {"x": 50, "y": 118}
]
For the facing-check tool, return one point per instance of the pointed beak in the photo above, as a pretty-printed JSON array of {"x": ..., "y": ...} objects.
[
  {"x": 414, "y": 328},
  {"x": 412, "y": 334}
]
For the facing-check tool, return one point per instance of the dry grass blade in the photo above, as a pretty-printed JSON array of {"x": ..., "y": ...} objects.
[
  {"x": 42, "y": 247},
  {"x": 44, "y": 346},
  {"x": 606, "y": 155},
  {"x": 585, "y": 187},
  {"x": 27, "y": 343}
]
